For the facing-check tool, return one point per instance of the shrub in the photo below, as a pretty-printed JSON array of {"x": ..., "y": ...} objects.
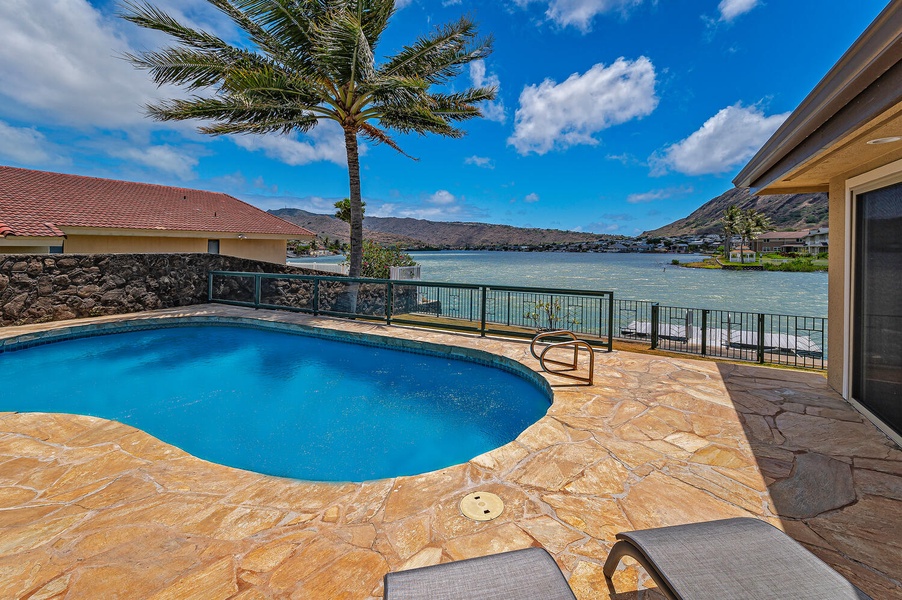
[
  {"x": 798, "y": 265},
  {"x": 377, "y": 260},
  {"x": 675, "y": 261}
]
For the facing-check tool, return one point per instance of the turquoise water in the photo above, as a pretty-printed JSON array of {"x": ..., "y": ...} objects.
[
  {"x": 278, "y": 403},
  {"x": 633, "y": 277}
]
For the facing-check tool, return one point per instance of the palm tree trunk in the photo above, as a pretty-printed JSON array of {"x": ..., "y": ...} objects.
[{"x": 356, "y": 258}]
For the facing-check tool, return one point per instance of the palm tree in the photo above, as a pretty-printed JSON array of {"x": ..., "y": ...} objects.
[
  {"x": 751, "y": 225},
  {"x": 312, "y": 60},
  {"x": 730, "y": 222}
]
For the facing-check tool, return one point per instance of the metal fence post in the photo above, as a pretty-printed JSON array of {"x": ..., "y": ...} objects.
[
  {"x": 209, "y": 286},
  {"x": 483, "y": 301},
  {"x": 611, "y": 322},
  {"x": 655, "y": 310},
  {"x": 257, "y": 286},
  {"x": 315, "y": 297},
  {"x": 705, "y": 332},
  {"x": 388, "y": 304},
  {"x": 761, "y": 338}
]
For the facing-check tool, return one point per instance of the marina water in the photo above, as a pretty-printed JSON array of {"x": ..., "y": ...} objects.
[{"x": 649, "y": 277}]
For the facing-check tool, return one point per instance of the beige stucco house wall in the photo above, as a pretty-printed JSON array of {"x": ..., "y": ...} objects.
[
  {"x": 845, "y": 138},
  {"x": 268, "y": 250}
]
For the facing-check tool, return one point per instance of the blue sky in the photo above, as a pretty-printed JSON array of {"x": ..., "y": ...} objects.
[{"x": 613, "y": 116}]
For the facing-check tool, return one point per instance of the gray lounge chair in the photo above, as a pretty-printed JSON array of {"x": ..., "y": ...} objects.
[
  {"x": 741, "y": 559},
  {"x": 733, "y": 559},
  {"x": 529, "y": 574}
]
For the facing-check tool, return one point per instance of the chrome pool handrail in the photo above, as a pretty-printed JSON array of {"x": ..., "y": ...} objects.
[{"x": 574, "y": 343}]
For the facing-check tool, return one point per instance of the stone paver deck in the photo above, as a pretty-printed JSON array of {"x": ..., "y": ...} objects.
[{"x": 95, "y": 509}]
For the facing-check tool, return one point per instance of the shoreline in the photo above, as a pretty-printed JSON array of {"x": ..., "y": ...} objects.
[{"x": 788, "y": 266}]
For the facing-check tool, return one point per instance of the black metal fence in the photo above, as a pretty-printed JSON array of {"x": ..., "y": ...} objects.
[
  {"x": 735, "y": 335},
  {"x": 499, "y": 310},
  {"x": 521, "y": 311}
]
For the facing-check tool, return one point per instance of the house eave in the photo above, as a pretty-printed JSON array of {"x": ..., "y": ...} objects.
[{"x": 862, "y": 79}]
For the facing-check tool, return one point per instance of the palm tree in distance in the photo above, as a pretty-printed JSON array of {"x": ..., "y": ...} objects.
[
  {"x": 311, "y": 60},
  {"x": 730, "y": 222},
  {"x": 752, "y": 223}
]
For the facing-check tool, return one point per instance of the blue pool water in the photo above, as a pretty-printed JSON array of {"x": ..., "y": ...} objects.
[{"x": 279, "y": 403}]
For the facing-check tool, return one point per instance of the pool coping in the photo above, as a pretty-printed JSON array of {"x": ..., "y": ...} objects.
[{"x": 472, "y": 355}]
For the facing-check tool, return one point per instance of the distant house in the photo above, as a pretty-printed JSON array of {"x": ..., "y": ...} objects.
[
  {"x": 818, "y": 240},
  {"x": 43, "y": 212},
  {"x": 812, "y": 241},
  {"x": 780, "y": 241},
  {"x": 845, "y": 138}
]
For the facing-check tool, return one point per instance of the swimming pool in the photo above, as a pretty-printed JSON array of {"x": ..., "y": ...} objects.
[{"x": 280, "y": 403}]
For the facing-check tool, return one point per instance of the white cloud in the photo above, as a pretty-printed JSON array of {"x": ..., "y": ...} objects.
[
  {"x": 581, "y": 13},
  {"x": 59, "y": 60},
  {"x": 730, "y": 9},
  {"x": 558, "y": 115},
  {"x": 660, "y": 194},
  {"x": 27, "y": 146},
  {"x": 726, "y": 140},
  {"x": 324, "y": 143},
  {"x": 440, "y": 206},
  {"x": 533, "y": 197},
  {"x": 480, "y": 161},
  {"x": 493, "y": 111},
  {"x": 164, "y": 157}
]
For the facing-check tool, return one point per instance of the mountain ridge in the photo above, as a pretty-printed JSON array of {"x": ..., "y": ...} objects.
[
  {"x": 787, "y": 212},
  {"x": 420, "y": 233}
]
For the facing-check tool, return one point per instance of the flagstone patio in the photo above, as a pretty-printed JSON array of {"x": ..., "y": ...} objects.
[{"x": 95, "y": 509}]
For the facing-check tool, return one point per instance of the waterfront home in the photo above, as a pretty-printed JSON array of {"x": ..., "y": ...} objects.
[
  {"x": 845, "y": 138},
  {"x": 812, "y": 241},
  {"x": 43, "y": 212},
  {"x": 780, "y": 241},
  {"x": 817, "y": 240}
]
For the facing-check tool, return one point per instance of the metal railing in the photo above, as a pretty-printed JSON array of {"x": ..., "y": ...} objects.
[
  {"x": 496, "y": 310},
  {"x": 735, "y": 335},
  {"x": 597, "y": 317}
]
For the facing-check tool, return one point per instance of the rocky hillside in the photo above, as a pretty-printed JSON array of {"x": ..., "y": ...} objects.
[
  {"x": 328, "y": 227},
  {"x": 787, "y": 212},
  {"x": 419, "y": 233}
]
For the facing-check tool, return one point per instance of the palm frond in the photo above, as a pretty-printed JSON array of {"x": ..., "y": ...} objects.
[
  {"x": 439, "y": 57},
  {"x": 374, "y": 16},
  {"x": 417, "y": 119},
  {"x": 183, "y": 66},
  {"x": 341, "y": 49},
  {"x": 268, "y": 85},
  {"x": 232, "y": 115},
  {"x": 374, "y": 134},
  {"x": 150, "y": 17},
  {"x": 462, "y": 105}
]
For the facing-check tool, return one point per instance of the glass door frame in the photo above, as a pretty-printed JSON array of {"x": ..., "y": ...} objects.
[{"x": 881, "y": 177}]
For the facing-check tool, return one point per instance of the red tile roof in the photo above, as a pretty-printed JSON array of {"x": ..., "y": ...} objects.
[
  {"x": 780, "y": 235},
  {"x": 39, "y": 204}
]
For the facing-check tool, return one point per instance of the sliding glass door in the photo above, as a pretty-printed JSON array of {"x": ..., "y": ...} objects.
[{"x": 877, "y": 304}]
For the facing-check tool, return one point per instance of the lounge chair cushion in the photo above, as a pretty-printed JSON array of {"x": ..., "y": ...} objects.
[
  {"x": 740, "y": 559},
  {"x": 527, "y": 574}
]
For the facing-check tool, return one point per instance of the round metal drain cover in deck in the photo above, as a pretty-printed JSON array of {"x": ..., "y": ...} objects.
[{"x": 481, "y": 506}]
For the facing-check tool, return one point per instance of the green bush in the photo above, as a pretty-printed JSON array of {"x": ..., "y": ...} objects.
[
  {"x": 675, "y": 261},
  {"x": 377, "y": 260},
  {"x": 796, "y": 265}
]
